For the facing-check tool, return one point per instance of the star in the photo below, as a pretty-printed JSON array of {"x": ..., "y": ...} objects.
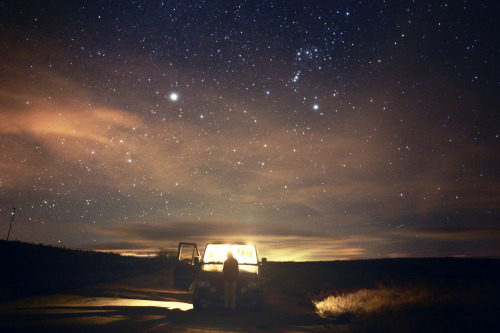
[{"x": 174, "y": 96}]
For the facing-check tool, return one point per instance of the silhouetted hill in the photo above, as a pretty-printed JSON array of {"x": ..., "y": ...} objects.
[{"x": 30, "y": 269}]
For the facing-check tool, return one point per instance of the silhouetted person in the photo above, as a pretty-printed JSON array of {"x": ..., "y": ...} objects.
[{"x": 230, "y": 273}]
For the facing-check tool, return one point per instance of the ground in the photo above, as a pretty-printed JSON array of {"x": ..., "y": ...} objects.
[
  {"x": 149, "y": 304},
  {"x": 398, "y": 295}
]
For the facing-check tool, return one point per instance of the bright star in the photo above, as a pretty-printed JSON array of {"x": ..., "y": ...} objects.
[{"x": 174, "y": 97}]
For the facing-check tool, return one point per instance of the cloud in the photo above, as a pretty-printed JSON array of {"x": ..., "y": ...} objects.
[
  {"x": 282, "y": 244},
  {"x": 455, "y": 233},
  {"x": 315, "y": 171},
  {"x": 331, "y": 184},
  {"x": 173, "y": 231}
]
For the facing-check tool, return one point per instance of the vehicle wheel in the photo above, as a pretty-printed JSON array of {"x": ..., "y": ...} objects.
[{"x": 259, "y": 306}]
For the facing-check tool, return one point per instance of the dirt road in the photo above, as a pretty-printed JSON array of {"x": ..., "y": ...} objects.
[{"x": 150, "y": 304}]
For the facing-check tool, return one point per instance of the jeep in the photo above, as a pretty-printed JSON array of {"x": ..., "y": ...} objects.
[{"x": 205, "y": 277}]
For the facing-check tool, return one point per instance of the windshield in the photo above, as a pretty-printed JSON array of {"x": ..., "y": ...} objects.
[
  {"x": 217, "y": 253},
  {"x": 244, "y": 270}
]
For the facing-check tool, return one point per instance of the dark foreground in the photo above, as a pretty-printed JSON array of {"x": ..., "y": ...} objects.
[
  {"x": 149, "y": 304},
  {"x": 462, "y": 295}
]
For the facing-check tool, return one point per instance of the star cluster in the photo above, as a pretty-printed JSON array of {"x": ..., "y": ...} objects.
[{"x": 319, "y": 130}]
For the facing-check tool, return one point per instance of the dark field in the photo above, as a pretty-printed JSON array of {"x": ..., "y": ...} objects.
[
  {"x": 398, "y": 295},
  {"x": 29, "y": 269},
  {"x": 388, "y": 295}
]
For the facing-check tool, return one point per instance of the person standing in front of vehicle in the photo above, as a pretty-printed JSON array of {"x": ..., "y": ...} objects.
[{"x": 230, "y": 273}]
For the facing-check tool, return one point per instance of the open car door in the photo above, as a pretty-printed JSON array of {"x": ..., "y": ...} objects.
[{"x": 186, "y": 265}]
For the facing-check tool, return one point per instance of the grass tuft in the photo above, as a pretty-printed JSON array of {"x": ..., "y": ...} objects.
[
  {"x": 414, "y": 308},
  {"x": 365, "y": 301}
]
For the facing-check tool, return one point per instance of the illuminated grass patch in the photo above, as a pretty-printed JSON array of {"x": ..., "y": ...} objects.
[
  {"x": 413, "y": 308},
  {"x": 370, "y": 300}
]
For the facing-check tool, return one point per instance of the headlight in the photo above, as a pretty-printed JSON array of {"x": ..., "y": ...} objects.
[
  {"x": 253, "y": 284},
  {"x": 204, "y": 284}
]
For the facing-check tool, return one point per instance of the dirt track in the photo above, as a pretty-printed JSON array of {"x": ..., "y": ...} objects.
[{"x": 150, "y": 304}]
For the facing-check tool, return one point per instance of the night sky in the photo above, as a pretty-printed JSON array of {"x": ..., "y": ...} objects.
[{"x": 319, "y": 130}]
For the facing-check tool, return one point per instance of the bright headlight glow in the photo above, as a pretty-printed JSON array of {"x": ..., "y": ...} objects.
[{"x": 217, "y": 253}]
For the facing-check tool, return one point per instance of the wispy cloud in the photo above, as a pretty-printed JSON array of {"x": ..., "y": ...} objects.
[{"x": 320, "y": 188}]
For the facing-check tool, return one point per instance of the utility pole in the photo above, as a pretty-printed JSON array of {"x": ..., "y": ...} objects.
[{"x": 11, "y": 221}]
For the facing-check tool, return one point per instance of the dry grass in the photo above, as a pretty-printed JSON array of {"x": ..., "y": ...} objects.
[
  {"x": 366, "y": 301},
  {"x": 413, "y": 308}
]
